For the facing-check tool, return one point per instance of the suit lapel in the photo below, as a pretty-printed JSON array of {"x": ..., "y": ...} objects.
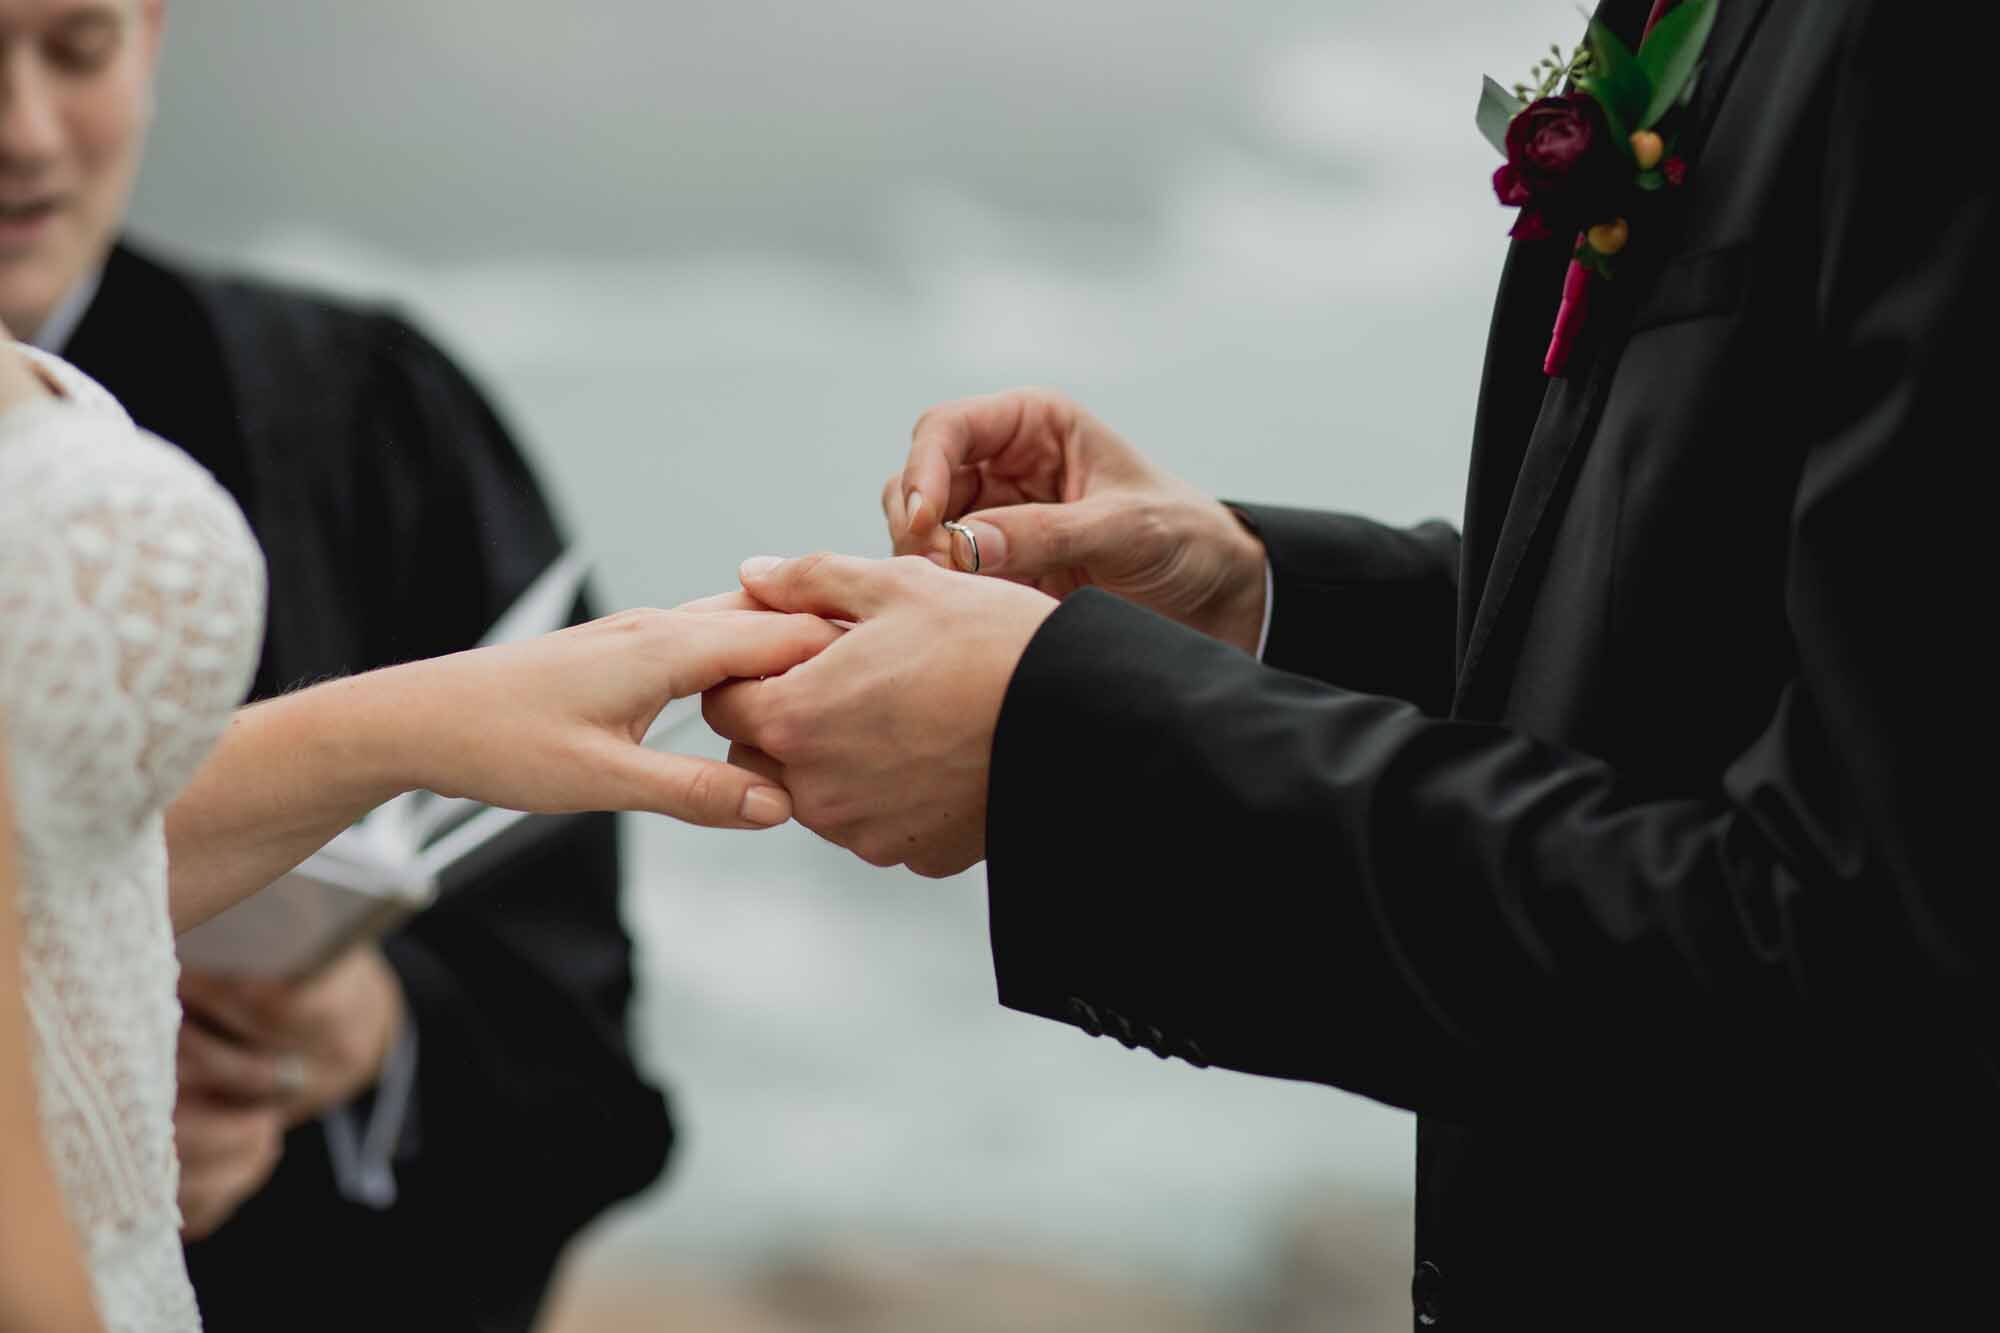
[
  {"x": 1512, "y": 388},
  {"x": 1569, "y": 414},
  {"x": 262, "y": 355}
]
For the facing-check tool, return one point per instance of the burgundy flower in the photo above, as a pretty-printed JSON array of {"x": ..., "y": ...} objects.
[
  {"x": 1676, "y": 171},
  {"x": 1563, "y": 172}
]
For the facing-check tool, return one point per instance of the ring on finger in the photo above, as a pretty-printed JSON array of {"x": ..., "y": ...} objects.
[{"x": 958, "y": 529}]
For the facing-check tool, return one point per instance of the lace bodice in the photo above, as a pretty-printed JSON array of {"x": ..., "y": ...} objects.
[{"x": 131, "y": 607}]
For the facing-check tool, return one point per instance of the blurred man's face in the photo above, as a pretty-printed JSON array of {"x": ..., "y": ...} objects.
[{"x": 76, "y": 90}]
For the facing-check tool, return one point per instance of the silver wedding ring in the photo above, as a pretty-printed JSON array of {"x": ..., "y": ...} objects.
[
  {"x": 959, "y": 529},
  {"x": 289, "y": 1073}
]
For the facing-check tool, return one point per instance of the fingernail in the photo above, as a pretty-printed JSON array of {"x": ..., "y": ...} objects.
[
  {"x": 992, "y": 547},
  {"x": 757, "y": 566},
  {"x": 914, "y": 506},
  {"x": 765, "y": 806}
]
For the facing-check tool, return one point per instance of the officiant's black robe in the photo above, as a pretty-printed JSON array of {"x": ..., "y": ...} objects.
[
  {"x": 398, "y": 520},
  {"x": 1641, "y": 839}
]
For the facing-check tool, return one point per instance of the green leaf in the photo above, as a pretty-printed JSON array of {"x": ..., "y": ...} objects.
[
  {"x": 1620, "y": 136},
  {"x": 1618, "y": 80},
  {"x": 1497, "y": 108},
  {"x": 1652, "y": 180},
  {"x": 1670, "y": 52}
]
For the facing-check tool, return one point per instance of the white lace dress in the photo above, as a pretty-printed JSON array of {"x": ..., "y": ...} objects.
[{"x": 131, "y": 608}]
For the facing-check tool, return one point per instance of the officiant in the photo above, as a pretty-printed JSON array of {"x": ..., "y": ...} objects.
[{"x": 415, "y": 1134}]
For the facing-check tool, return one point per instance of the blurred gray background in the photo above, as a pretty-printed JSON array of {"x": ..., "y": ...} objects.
[{"x": 713, "y": 259}]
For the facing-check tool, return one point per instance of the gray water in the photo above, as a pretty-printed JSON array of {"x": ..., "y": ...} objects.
[{"x": 713, "y": 260}]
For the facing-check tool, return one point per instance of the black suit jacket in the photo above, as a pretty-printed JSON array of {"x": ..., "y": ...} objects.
[
  {"x": 399, "y": 519},
  {"x": 1638, "y": 840}
]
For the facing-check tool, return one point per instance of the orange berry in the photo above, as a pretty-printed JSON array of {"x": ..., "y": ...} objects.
[
  {"x": 1647, "y": 149},
  {"x": 1608, "y": 238}
]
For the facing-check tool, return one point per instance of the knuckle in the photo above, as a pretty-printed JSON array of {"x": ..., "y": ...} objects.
[
  {"x": 778, "y": 738},
  {"x": 630, "y": 619},
  {"x": 810, "y": 566},
  {"x": 1052, "y": 405},
  {"x": 1056, "y": 537},
  {"x": 715, "y": 711},
  {"x": 908, "y": 569},
  {"x": 929, "y": 419},
  {"x": 1152, "y": 524},
  {"x": 779, "y": 733},
  {"x": 704, "y": 791},
  {"x": 809, "y": 627},
  {"x": 723, "y": 708}
]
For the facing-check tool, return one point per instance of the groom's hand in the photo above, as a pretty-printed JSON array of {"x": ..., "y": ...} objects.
[
  {"x": 884, "y": 738},
  {"x": 1056, "y": 499}
]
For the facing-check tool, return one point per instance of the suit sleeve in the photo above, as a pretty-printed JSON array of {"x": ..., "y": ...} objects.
[
  {"x": 518, "y": 984},
  {"x": 1295, "y": 879},
  {"x": 1362, "y": 605}
]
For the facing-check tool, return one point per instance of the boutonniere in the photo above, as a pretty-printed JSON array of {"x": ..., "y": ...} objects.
[{"x": 1581, "y": 161}]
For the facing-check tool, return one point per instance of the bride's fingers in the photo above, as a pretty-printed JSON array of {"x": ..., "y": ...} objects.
[
  {"x": 716, "y": 646},
  {"x": 842, "y": 587},
  {"x": 697, "y": 791},
  {"x": 734, "y": 600}
]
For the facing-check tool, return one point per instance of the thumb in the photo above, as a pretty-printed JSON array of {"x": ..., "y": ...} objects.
[
  {"x": 839, "y": 587},
  {"x": 1028, "y": 541},
  {"x": 699, "y": 791}
]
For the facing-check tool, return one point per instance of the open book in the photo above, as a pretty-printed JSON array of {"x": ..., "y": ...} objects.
[{"x": 398, "y": 858}]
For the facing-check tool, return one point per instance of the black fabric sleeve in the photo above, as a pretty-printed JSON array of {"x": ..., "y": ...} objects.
[
  {"x": 518, "y": 983},
  {"x": 1360, "y": 604},
  {"x": 1324, "y": 884}
]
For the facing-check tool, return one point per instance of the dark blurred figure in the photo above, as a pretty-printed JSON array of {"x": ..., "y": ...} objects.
[{"x": 412, "y": 1137}]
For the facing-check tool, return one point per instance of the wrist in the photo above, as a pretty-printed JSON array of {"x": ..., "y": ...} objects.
[
  {"x": 1245, "y": 585},
  {"x": 374, "y": 732}
]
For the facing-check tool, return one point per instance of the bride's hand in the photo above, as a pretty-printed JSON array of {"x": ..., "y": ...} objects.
[{"x": 553, "y": 724}]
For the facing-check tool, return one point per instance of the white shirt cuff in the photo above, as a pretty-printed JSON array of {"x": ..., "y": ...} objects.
[
  {"x": 1270, "y": 598},
  {"x": 364, "y": 1158}
]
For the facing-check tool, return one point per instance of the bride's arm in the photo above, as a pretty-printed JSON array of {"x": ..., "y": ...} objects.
[
  {"x": 549, "y": 725},
  {"x": 43, "y": 1284}
]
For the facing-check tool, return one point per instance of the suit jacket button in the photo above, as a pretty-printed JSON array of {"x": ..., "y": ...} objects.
[
  {"x": 1085, "y": 1017},
  {"x": 1427, "y": 1294}
]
